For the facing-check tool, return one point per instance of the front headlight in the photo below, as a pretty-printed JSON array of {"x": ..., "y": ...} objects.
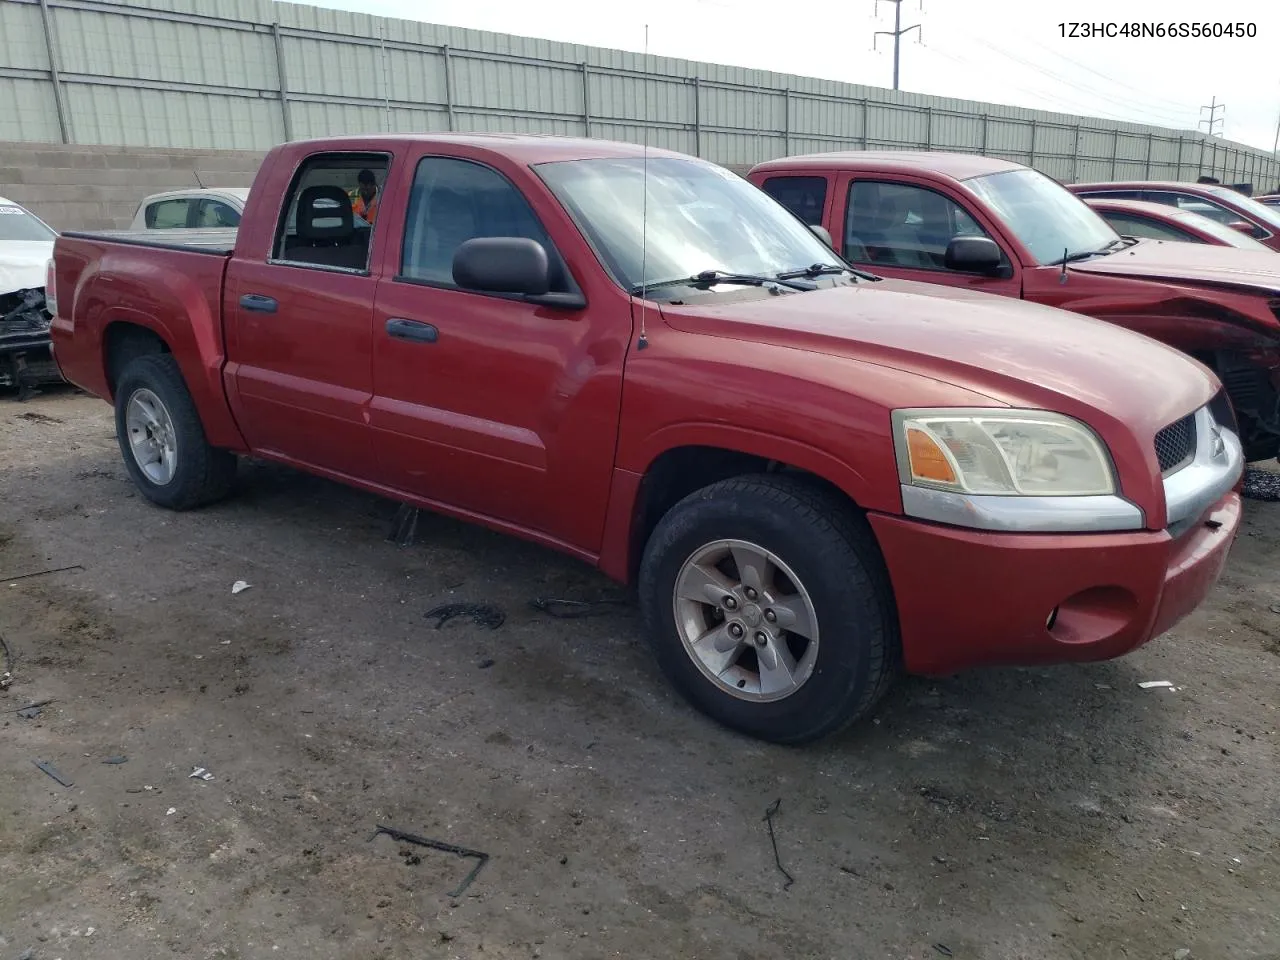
[{"x": 1013, "y": 453}]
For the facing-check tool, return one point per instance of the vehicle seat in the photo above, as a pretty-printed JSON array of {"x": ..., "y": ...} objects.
[
  {"x": 877, "y": 227},
  {"x": 934, "y": 232},
  {"x": 326, "y": 229},
  {"x": 898, "y": 240}
]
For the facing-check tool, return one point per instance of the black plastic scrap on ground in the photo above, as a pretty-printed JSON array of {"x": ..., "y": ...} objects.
[
  {"x": 483, "y": 614},
  {"x": 402, "y": 837}
]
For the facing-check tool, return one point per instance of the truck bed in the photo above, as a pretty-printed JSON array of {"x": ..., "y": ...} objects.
[{"x": 220, "y": 241}]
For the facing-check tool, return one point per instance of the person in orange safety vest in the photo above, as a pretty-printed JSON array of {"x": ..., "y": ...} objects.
[{"x": 366, "y": 202}]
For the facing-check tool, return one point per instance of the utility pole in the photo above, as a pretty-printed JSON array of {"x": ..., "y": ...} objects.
[
  {"x": 1213, "y": 109},
  {"x": 897, "y": 33}
]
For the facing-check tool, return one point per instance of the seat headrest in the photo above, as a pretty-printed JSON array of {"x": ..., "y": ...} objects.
[{"x": 324, "y": 213}]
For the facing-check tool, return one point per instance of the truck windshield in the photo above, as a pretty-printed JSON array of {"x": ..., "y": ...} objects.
[
  {"x": 700, "y": 218},
  {"x": 1049, "y": 220},
  {"x": 17, "y": 224},
  {"x": 1259, "y": 211}
]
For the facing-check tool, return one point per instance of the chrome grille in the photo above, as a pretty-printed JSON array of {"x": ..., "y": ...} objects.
[{"x": 1176, "y": 444}]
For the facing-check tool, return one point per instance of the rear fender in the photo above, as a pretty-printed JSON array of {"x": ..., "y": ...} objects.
[{"x": 184, "y": 311}]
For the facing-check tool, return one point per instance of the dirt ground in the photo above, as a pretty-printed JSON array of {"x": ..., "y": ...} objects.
[{"x": 1060, "y": 813}]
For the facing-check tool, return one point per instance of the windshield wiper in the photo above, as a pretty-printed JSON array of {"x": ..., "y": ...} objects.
[
  {"x": 709, "y": 278},
  {"x": 822, "y": 269}
]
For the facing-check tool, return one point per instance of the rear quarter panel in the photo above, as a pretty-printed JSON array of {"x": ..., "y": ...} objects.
[{"x": 176, "y": 294}]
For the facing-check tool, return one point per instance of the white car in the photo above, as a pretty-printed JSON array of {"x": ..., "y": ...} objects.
[
  {"x": 26, "y": 246},
  {"x": 216, "y": 207}
]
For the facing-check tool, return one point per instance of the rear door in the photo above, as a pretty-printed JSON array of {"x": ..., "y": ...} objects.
[
  {"x": 299, "y": 324},
  {"x": 897, "y": 227}
]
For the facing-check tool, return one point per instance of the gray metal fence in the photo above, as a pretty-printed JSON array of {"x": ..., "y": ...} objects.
[{"x": 247, "y": 74}]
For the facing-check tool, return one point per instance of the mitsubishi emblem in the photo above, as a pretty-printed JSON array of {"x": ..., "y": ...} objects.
[{"x": 1217, "y": 446}]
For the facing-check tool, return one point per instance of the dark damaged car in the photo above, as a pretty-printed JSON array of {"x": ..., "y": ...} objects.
[{"x": 26, "y": 247}]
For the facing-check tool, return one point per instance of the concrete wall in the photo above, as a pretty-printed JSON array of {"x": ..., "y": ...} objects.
[{"x": 99, "y": 188}]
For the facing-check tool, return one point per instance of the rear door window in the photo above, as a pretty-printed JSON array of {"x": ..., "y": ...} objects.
[
  {"x": 806, "y": 197},
  {"x": 326, "y": 220},
  {"x": 168, "y": 214}
]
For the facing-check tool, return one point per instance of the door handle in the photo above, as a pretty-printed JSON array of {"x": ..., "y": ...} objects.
[
  {"x": 258, "y": 303},
  {"x": 412, "y": 330}
]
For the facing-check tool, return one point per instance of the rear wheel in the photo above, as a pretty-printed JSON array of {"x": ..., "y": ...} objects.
[
  {"x": 162, "y": 439},
  {"x": 767, "y": 605}
]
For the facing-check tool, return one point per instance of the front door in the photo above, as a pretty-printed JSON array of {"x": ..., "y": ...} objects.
[
  {"x": 502, "y": 408},
  {"x": 299, "y": 326},
  {"x": 896, "y": 228}
]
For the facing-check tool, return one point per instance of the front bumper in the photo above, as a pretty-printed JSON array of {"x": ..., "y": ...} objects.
[
  {"x": 970, "y": 598},
  {"x": 26, "y": 351}
]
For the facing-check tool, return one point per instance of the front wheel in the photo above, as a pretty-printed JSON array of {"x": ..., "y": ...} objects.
[
  {"x": 767, "y": 605},
  {"x": 162, "y": 439},
  {"x": 1259, "y": 443}
]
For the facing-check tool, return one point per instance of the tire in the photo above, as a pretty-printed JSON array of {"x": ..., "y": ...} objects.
[
  {"x": 151, "y": 392},
  {"x": 823, "y": 552},
  {"x": 1259, "y": 444}
]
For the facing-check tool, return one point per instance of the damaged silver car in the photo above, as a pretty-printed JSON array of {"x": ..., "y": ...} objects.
[{"x": 26, "y": 245}]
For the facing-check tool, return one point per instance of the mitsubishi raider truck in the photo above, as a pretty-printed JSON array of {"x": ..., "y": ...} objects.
[
  {"x": 992, "y": 225},
  {"x": 815, "y": 478}
]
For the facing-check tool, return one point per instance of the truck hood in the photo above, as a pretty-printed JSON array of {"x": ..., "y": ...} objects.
[
  {"x": 23, "y": 264},
  {"x": 1016, "y": 353},
  {"x": 1196, "y": 263}
]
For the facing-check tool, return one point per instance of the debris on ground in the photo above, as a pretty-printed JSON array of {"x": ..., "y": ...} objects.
[
  {"x": 115, "y": 761},
  {"x": 6, "y": 679},
  {"x": 171, "y": 811},
  {"x": 572, "y": 609},
  {"x": 200, "y": 773},
  {"x": 32, "y": 710},
  {"x": 401, "y": 837},
  {"x": 404, "y": 529},
  {"x": 769, "y": 814},
  {"x": 482, "y": 614},
  {"x": 486, "y": 663},
  {"x": 943, "y": 949},
  {"x": 1154, "y": 684},
  {"x": 52, "y": 771},
  {"x": 239, "y": 586},
  {"x": 1261, "y": 484},
  {"x": 40, "y": 573}
]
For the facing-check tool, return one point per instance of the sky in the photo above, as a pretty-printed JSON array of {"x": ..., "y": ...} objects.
[{"x": 999, "y": 51}]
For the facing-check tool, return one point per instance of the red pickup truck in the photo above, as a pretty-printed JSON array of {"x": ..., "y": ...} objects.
[
  {"x": 814, "y": 477},
  {"x": 993, "y": 225}
]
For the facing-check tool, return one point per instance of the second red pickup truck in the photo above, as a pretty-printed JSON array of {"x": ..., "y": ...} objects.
[
  {"x": 815, "y": 477},
  {"x": 993, "y": 225}
]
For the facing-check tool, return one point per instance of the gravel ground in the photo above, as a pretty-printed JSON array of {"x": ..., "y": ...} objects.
[{"x": 1059, "y": 813}]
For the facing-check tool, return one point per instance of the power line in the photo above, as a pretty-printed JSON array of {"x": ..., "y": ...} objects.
[
  {"x": 1053, "y": 100},
  {"x": 897, "y": 33}
]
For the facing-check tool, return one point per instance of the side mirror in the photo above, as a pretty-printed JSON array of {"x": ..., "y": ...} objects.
[
  {"x": 1243, "y": 227},
  {"x": 822, "y": 234},
  {"x": 973, "y": 255},
  {"x": 502, "y": 265}
]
